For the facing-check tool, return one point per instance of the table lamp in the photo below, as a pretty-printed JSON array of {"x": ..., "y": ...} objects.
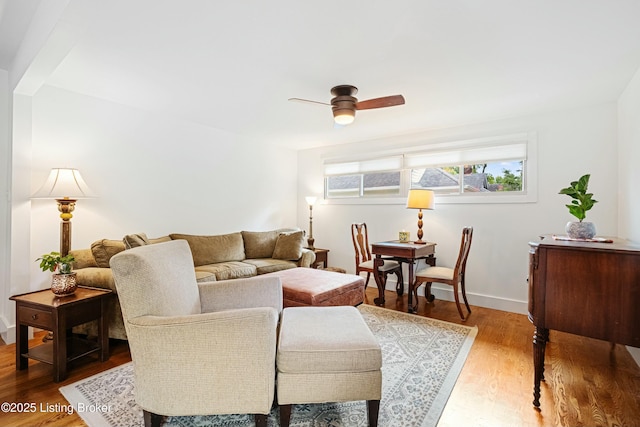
[
  {"x": 311, "y": 200},
  {"x": 66, "y": 186},
  {"x": 420, "y": 199}
]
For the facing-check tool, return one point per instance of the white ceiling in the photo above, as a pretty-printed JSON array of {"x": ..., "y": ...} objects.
[{"x": 233, "y": 65}]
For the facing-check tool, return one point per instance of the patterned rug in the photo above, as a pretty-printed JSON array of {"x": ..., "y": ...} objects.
[{"x": 422, "y": 359}]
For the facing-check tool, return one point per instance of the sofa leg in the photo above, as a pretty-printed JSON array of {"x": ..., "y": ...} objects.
[
  {"x": 373, "y": 406},
  {"x": 261, "y": 420},
  {"x": 285, "y": 415},
  {"x": 151, "y": 419}
]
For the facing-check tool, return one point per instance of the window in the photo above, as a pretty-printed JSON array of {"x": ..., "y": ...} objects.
[
  {"x": 493, "y": 169},
  {"x": 379, "y": 177}
]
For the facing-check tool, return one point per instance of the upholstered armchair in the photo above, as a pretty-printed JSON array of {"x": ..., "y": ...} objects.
[{"x": 197, "y": 348}]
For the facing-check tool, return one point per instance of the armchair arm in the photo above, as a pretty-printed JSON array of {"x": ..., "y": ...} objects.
[
  {"x": 308, "y": 257},
  {"x": 220, "y": 362},
  {"x": 241, "y": 293}
]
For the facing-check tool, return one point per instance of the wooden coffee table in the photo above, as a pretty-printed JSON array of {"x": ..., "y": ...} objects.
[{"x": 43, "y": 309}]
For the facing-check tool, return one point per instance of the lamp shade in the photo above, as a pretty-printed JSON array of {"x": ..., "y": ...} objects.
[
  {"x": 64, "y": 183},
  {"x": 311, "y": 200},
  {"x": 420, "y": 199}
]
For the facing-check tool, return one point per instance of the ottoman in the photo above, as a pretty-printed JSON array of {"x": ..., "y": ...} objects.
[
  {"x": 327, "y": 354},
  {"x": 309, "y": 286}
]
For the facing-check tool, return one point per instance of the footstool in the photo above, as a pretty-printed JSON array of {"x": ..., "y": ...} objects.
[
  {"x": 310, "y": 286},
  {"x": 327, "y": 354}
]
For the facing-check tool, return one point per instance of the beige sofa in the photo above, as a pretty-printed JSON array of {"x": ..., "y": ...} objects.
[{"x": 219, "y": 257}]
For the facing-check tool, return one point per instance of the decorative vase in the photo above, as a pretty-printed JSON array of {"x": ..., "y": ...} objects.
[
  {"x": 64, "y": 284},
  {"x": 580, "y": 230}
]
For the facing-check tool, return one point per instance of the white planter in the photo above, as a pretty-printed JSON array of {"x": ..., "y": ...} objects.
[{"x": 580, "y": 230}]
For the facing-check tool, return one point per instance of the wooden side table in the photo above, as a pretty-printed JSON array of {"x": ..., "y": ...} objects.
[
  {"x": 322, "y": 258},
  {"x": 42, "y": 309}
]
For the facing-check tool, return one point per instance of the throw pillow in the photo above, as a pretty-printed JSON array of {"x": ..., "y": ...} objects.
[
  {"x": 289, "y": 246},
  {"x": 135, "y": 240},
  {"x": 140, "y": 239},
  {"x": 104, "y": 249}
]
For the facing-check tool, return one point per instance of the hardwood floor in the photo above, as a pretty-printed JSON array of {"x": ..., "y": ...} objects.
[{"x": 584, "y": 386}]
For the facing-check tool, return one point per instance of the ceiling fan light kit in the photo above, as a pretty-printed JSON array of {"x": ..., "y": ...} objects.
[{"x": 344, "y": 104}]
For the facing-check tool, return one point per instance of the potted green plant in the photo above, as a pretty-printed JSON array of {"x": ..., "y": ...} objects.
[
  {"x": 63, "y": 280},
  {"x": 581, "y": 203}
]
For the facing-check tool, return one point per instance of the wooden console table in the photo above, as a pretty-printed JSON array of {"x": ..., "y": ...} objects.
[
  {"x": 583, "y": 288},
  {"x": 408, "y": 253},
  {"x": 43, "y": 309}
]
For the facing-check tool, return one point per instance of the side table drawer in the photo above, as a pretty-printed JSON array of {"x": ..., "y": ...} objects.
[{"x": 35, "y": 317}]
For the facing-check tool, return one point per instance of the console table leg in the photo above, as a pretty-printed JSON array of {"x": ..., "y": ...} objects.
[{"x": 540, "y": 337}]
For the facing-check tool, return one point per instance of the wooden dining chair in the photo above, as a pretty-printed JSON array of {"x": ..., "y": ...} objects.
[
  {"x": 364, "y": 262},
  {"x": 451, "y": 276}
]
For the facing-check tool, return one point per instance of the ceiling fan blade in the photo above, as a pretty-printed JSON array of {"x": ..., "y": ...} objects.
[
  {"x": 308, "y": 101},
  {"x": 385, "y": 101}
]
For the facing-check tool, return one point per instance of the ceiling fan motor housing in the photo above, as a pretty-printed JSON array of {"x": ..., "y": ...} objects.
[{"x": 344, "y": 103}]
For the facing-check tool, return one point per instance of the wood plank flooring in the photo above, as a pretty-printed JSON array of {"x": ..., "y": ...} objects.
[{"x": 585, "y": 385}]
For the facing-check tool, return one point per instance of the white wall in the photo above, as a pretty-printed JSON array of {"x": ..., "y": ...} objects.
[
  {"x": 570, "y": 143},
  {"x": 628, "y": 170},
  {"x": 5, "y": 161},
  {"x": 152, "y": 174},
  {"x": 628, "y": 158}
]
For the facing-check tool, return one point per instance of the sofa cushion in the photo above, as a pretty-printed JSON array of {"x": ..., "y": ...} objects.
[
  {"x": 269, "y": 265},
  {"x": 289, "y": 245},
  {"x": 214, "y": 249},
  {"x": 228, "y": 270},
  {"x": 259, "y": 244},
  {"x": 141, "y": 239},
  {"x": 83, "y": 258},
  {"x": 104, "y": 249}
]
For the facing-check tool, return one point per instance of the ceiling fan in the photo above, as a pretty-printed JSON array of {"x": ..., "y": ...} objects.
[{"x": 344, "y": 104}]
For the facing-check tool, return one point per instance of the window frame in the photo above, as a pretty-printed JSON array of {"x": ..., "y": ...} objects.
[{"x": 529, "y": 172}]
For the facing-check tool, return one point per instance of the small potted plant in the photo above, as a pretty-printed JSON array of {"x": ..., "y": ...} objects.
[
  {"x": 63, "y": 281},
  {"x": 581, "y": 203}
]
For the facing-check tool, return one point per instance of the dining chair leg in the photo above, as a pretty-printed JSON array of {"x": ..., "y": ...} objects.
[
  {"x": 457, "y": 298},
  {"x": 427, "y": 292},
  {"x": 367, "y": 282},
  {"x": 464, "y": 295}
]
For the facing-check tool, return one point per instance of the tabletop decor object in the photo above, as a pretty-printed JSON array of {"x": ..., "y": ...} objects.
[
  {"x": 63, "y": 280},
  {"x": 403, "y": 236},
  {"x": 420, "y": 198},
  {"x": 581, "y": 203}
]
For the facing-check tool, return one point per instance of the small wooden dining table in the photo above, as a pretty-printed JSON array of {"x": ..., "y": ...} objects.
[{"x": 409, "y": 253}]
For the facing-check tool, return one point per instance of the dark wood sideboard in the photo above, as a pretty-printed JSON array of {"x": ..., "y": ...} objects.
[{"x": 583, "y": 288}]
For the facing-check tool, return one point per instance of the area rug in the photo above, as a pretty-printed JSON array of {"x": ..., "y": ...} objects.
[{"x": 422, "y": 359}]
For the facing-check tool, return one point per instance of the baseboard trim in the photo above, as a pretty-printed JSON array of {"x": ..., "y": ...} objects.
[
  {"x": 8, "y": 333},
  {"x": 480, "y": 300}
]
